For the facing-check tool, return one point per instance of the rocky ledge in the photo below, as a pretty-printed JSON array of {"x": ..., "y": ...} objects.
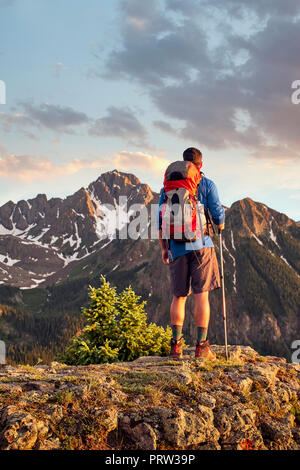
[{"x": 248, "y": 402}]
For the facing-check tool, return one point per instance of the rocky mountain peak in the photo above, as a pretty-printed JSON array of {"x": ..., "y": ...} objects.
[
  {"x": 113, "y": 184},
  {"x": 249, "y": 217},
  {"x": 39, "y": 237},
  {"x": 111, "y": 181},
  {"x": 80, "y": 203},
  {"x": 117, "y": 177}
]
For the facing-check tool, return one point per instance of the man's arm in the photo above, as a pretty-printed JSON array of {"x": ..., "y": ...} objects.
[
  {"x": 215, "y": 206},
  {"x": 164, "y": 248},
  {"x": 163, "y": 242}
]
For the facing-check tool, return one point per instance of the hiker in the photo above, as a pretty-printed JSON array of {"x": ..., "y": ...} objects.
[{"x": 190, "y": 254}]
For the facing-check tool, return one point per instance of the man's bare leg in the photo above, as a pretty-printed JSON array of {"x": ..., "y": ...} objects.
[
  {"x": 202, "y": 309},
  {"x": 177, "y": 310},
  {"x": 202, "y": 315},
  {"x": 177, "y": 314}
]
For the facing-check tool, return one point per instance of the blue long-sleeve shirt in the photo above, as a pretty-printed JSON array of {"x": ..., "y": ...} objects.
[{"x": 208, "y": 196}]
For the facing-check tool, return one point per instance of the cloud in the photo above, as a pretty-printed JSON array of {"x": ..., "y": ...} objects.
[
  {"x": 17, "y": 120},
  {"x": 57, "y": 118},
  {"x": 28, "y": 168},
  {"x": 143, "y": 17},
  {"x": 267, "y": 8},
  {"x": 164, "y": 127},
  {"x": 158, "y": 51},
  {"x": 118, "y": 122},
  {"x": 213, "y": 61},
  {"x": 54, "y": 117},
  {"x": 186, "y": 8},
  {"x": 140, "y": 161},
  {"x": 121, "y": 123}
]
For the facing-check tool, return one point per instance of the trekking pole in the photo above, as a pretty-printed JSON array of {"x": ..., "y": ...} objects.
[{"x": 223, "y": 292}]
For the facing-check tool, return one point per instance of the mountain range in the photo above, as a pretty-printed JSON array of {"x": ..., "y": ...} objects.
[
  {"x": 51, "y": 250},
  {"x": 40, "y": 238}
]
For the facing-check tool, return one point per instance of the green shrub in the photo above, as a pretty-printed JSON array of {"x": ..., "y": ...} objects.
[{"x": 116, "y": 329}]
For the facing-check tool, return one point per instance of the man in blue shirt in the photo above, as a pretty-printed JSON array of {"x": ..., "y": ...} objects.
[{"x": 193, "y": 264}]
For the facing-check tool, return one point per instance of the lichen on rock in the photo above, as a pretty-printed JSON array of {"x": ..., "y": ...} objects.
[{"x": 153, "y": 403}]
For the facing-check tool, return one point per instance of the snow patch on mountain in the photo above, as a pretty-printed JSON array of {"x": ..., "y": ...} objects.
[
  {"x": 273, "y": 236},
  {"x": 5, "y": 259},
  {"x": 257, "y": 239},
  {"x": 44, "y": 230},
  {"x": 109, "y": 219},
  {"x": 14, "y": 231},
  {"x": 283, "y": 258},
  {"x": 232, "y": 240}
]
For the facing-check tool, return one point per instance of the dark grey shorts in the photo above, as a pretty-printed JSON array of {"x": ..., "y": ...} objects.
[{"x": 198, "y": 269}]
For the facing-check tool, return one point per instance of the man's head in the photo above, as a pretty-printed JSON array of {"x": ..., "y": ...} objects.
[{"x": 193, "y": 155}]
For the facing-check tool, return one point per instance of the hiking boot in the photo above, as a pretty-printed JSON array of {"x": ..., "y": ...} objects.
[
  {"x": 203, "y": 351},
  {"x": 176, "y": 348}
]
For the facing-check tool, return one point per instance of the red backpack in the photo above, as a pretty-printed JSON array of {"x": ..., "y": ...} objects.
[{"x": 180, "y": 220}]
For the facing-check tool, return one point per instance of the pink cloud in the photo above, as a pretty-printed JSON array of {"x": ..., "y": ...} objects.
[{"x": 28, "y": 168}]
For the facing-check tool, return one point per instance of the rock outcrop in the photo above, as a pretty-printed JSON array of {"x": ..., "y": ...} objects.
[
  {"x": 248, "y": 402},
  {"x": 40, "y": 238}
]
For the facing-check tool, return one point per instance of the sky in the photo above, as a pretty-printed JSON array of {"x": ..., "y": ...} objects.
[{"x": 93, "y": 86}]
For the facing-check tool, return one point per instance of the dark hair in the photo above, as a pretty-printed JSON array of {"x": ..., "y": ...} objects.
[{"x": 192, "y": 155}]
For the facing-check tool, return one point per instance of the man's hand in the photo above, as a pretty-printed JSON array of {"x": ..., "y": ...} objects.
[
  {"x": 165, "y": 256},
  {"x": 221, "y": 226},
  {"x": 164, "y": 248}
]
